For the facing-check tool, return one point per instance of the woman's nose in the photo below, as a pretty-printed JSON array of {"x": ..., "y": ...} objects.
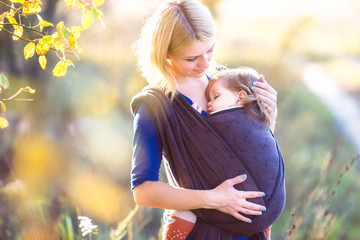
[{"x": 204, "y": 61}]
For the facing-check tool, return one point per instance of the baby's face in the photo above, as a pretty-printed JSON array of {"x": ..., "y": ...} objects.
[{"x": 221, "y": 97}]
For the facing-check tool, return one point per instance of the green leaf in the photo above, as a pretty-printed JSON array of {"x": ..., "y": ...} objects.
[
  {"x": 97, "y": 13},
  {"x": 4, "y": 83},
  {"x": 66, "y": 32}
]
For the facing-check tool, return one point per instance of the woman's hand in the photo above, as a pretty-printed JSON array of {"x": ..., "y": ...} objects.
[
  {"x": 229, "y": 200},
  {"x": 268, "y": 98}
]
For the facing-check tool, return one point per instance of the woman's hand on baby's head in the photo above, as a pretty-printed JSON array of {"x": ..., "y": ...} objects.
[
  {"x": 268, "y": 98},
  {"x": 197, "y": 107}
]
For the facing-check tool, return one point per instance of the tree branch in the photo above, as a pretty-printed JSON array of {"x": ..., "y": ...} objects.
[
  {"x": 8, "y": 6},
  {"x": 24, "y": 39},
  {"x": 27, "y": 27}
]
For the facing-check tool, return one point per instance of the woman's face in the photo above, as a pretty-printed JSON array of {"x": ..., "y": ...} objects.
[{"x": 194, "y": 61}]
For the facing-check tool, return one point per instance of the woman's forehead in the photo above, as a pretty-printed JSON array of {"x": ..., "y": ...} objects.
[{"x": 199, "y": 47}]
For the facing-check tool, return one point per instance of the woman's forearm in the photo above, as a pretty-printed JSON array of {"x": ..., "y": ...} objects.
[
  {"x": 161, "y": 195},
  {"x": 224, "y": 198}
]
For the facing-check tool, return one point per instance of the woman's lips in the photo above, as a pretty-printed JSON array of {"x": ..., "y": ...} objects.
[{"x": 200, "y": 71}]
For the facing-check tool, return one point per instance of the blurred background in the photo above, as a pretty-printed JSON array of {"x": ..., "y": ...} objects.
[{"x": 68, "y": 152}]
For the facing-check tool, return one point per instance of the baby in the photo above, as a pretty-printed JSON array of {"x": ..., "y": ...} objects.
[{"x": 234, "y": 110}]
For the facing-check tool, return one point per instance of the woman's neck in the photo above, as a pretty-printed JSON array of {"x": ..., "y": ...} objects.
[{"x": 194, "y": 88}]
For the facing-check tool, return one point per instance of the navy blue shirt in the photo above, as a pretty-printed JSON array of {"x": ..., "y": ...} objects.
[{"x": 147, "y": 148}]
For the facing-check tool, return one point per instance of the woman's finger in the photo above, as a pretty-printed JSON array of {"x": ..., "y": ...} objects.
[
  {"x": 253, "y": 207},
  {"x": 250, "y": 194},
  {"x": 250, "y": 212},
  {"x": 262, "y": 88},
  {"x": 236, "y": 180},
  {"x": 240, "y": 217}
]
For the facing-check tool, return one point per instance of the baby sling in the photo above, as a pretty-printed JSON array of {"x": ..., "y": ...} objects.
[{"x": 199, "y": 157}]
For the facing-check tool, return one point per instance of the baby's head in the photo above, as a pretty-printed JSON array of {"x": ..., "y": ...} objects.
[{"x": 232, "y": 87}]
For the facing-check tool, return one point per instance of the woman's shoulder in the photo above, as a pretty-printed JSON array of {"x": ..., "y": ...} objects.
[{"x": 149, "y": 95}]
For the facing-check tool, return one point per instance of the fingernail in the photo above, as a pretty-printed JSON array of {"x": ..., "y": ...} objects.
[
  {"x": 243, "y": 176},
  {"x": 260, "y": 213},
  {"x": 254, "y": 83},
  {"x": 263, "y": 195},
  {"x": 264, "y": 210},
  {"x": 253, "y": 88},
  {"x": 250, "y": 221}
]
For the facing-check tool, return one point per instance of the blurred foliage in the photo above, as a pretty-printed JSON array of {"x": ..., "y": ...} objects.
[
  {"x": 68, "y": 152},
  {"x": 20, "y": 15}
]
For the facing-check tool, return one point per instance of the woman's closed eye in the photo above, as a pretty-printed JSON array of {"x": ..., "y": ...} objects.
[{"x": 191, "y": 59}]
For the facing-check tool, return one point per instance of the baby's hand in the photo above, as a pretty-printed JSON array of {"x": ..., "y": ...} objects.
[{"x": 197, "y": 107}]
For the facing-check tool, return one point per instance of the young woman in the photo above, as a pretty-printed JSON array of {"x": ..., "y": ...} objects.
[{"x": 175, "y": 53}]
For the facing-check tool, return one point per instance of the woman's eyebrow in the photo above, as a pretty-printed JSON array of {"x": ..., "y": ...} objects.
[{"x": 200, "y": 55}]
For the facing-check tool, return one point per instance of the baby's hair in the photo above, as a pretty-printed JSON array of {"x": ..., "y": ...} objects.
[{"x": 242, "y": 79}]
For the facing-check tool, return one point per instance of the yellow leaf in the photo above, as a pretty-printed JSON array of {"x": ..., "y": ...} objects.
[
  {"x": 45, "y": 23},
  {"x": 3, "y": 122},
  {"x": 56, "y": 35},
  {"x": 48, "y": 40},
  {"x": 29, "y": 50},
  {"x": 97, "y": 3},
  {"x": 70, "y": 3},
  {"x": 87, "y": 19},
  {"x": 44, "y": 45},
  {"x": 69, "y": 63},
  {"x": 3, "y": 107},
  {"x": 13, "y": 21},
  {"x": 18, "y": 1},
  {"x": 60, "y": 26},
  {"x": 18, "y": 32},
  {"x": 59, "y": 45},
  {"x": 11, "y": 13},
  {"x": 1, "y": 25},
  {"x": 60, "y": 69},
  {"x": 42, "y": 48},
  {"x": 29, "y": 89},
  {"x": 43, "y": 61},
  {"x": 77, "y": 29},
  {"x": 31, "y": 8},
  {"x": 76, "y": 35},
  {"x": 71, "y": 41}
]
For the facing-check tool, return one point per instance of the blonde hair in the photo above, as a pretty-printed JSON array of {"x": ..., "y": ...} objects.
[
  {"x": 242, "y": 79},
  {"x": 171, "y": 30}
]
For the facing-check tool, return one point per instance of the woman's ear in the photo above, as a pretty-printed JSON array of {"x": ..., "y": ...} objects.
[
  {"x": 167, "y": 60},
  {"x": 241, "y": 97}
]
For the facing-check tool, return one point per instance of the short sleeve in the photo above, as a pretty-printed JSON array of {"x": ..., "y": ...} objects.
[{"x": 147, "y": 147}]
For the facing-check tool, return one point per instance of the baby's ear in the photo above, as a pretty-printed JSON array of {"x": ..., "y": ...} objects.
[{"x": 241, "y": 97}]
